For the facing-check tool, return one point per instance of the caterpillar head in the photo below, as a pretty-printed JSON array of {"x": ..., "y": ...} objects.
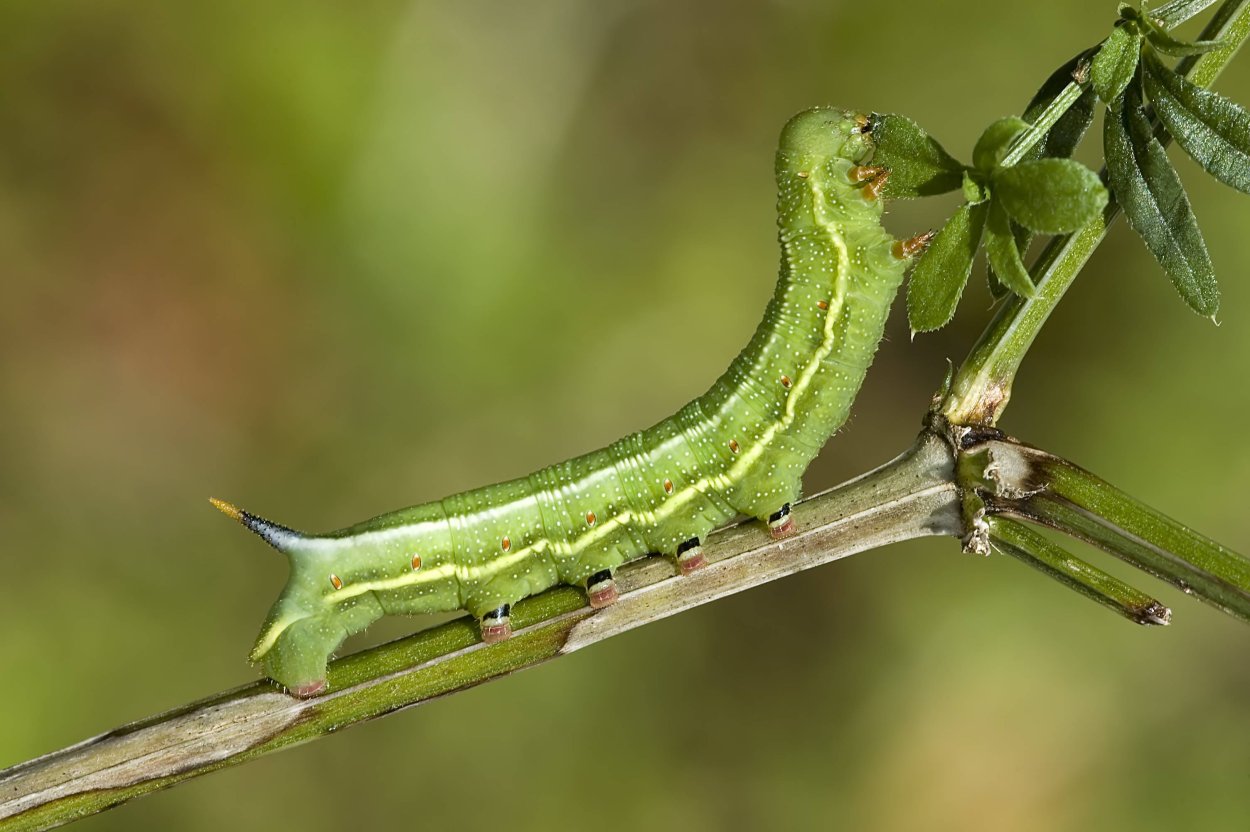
[{"x": 827, "y": 132}]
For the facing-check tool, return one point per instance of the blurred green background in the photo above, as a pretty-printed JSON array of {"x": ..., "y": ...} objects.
[{"x": 329, "y": 259}]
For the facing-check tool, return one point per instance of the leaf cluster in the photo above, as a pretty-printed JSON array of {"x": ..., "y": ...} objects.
[
  {"x": 1022, "y": 181},
  {"x": 1129, "y": 71},
  {"x": 1004, "y": 205}
]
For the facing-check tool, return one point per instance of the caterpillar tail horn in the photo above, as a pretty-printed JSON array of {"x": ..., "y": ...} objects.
[
  {"x": 294, "y": 642},
  {"x": 279, "y": 537}
]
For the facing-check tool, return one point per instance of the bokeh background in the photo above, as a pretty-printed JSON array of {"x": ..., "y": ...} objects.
[{"x": 330, "y": 259}]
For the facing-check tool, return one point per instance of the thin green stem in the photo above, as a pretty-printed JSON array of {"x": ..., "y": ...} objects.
[
  {"x": 1136, "y": 520},
  {"x": 982, "y": 387},
  {"x": 1037, "y": 131},
  {"x": 1004, "y": 476},
  {"x": 1172, "y": 565},
  {"x": 1029, "y": 547}
]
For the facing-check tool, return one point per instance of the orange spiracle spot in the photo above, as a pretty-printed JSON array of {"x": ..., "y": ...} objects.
[
  {"x": 590, "y": 518},
  {"x": 668, "y": 486},
  {"x": 734, "y": 446},
  {"x": 822, "y": 304},
  {"x": 416, "y": 562},
  {"x": 506, "y": 543},
  {"x": 803, "y": 174},
  {"x": 336, "y": 582},
  {"x": 786, "y": 382}
]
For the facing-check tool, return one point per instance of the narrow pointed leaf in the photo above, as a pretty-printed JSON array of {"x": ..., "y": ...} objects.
[
  {"x": 1023, "y": 238},
  {"x": 1061, "y": 140},
  {"x": 1212, "y": 129},
  {"x": 1001, "y": 251},
  {"x": 1067, "y": 132},
  {"x": 1156, "y": 206},
  {"x": 998, "y": 290},
  {"x": 919, "y": 166},
  {"x": 1116, "y": 62},
  {"x": 1053, "y": 196},
  {"x": 942, "y": 272},
  {"x": 1178, "y": 11},
  {"x": 1168, "y": 44}
]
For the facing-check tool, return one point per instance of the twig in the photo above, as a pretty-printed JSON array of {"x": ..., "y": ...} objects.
[
  {"x": 1014, "y": 479},
  {"x": 913, "y": 496},
  {"x": 1030, "y": 547}
]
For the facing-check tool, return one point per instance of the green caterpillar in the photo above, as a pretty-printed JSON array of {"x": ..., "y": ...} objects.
[{"x": 740, "y": 448}]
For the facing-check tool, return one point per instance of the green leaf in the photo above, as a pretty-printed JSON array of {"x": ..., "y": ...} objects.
[
  {"x": 1212, "y": 129},
  {"x": 1116, "y": 62},
  {"x": 1178, "y": 11},
  {"x": 1001, "y": 251},
  {"x": 1066, "y": 134},
  {"x": 1023, "y": 238},
  {"x": 1161, "y": 40},
  {"x": 993, "y": 144},
  {"x": 942, "y": 272},
  {"x": 998, "y": 290},
  {"x": 919, "y": 166},
  {"x": 1053, "y": 196},
  {"x": 1068, "y": 131},
  {"x": 973, "y": 190},
  {"x": 1060, "y": 141},
  {"x": 1169, "y": 45},
  {"x": 1156, "y": 206}
]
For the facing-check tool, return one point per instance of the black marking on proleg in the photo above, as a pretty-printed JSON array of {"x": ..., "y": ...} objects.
[
  {"x": 784, "y": 511},
  {"x": 500, "y": 612},
  {"x": 688, "y": 545},
  {"x": 599, "y": 577}
]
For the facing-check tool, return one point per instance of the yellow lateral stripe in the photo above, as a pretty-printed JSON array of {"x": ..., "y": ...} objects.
[
  {"x": 271, "y": 635},
  {"x": 676, "y": 501},
  {"x": 490, "y": 567}
]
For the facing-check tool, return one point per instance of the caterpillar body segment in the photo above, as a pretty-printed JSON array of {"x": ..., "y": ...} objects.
[{"x": 740, "y": 448}]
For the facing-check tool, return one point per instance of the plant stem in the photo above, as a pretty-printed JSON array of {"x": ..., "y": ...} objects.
[
  {"x": 1026, "y": 545},
  {"x": 913, "y": 496},
  {"x": 1018, "y": 480},
  {"x": 1038, "y": 129},
  {"x": 1173, "y": 564},
  {"x": 982, "y": 386}
]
